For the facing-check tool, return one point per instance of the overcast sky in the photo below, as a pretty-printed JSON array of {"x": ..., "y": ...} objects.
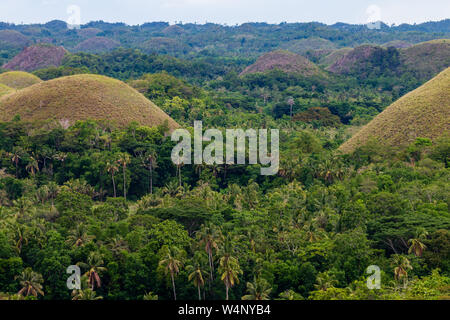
[{"x": 227, "y": 11}]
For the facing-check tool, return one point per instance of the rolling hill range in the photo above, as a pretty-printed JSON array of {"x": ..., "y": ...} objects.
[
  {"x": 13, "y": 39},
  {"x": 82, "y": 97},
  {"x": 424, "y": 112},
  {"x": 18, "y": 79},
  {"x": 285, "y": 61},
  {"x": 37, "y": 57}
]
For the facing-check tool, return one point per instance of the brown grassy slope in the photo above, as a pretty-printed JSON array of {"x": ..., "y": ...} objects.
[
  {"x": 424, "y": 112},
  {"x": 426, "y": 59},
  {"x": 334, "y": 56},
  {"x": 5, "y": 90},
  {"x": 18, "y": 79},
  {"x": 82, "y": 97},
  {"x": 285, "y": 61},
  {"x": 37, "y": 57},
  {"x": 352, "y": 60}
]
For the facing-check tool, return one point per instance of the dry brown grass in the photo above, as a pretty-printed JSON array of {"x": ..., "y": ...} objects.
[
  {"x": 285, "y": 61},
  {"x": 18, "y": 79},
  {"x": 424, "y": 112},
  {"x": 5, "y": 90},
  {"x": 37, "y": 57},
  {"x": 83, "y": 97}
]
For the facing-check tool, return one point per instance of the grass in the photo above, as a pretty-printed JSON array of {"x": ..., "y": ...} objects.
[
  {"x": 18, "y": 79},
  {"x": 426, "y": 59},
  {"x": 83, "y": 97},
  {"x": 424, "y": 112},
  {"x": 285, "y": 61},
  {"x": 36, "y": 57},
  {"x": 4, "y": 90}
]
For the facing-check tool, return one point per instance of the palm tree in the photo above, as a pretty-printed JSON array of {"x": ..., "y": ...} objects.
[
  {"x": 229, "y": 266},
  {"x": 94, "y": 266},
  {"x": 150, "y": 296},
  {"x": 31, "y": 283},
  {"x": 112, "y": 168},
  {"x": 150, "y": 164},
  {"x": 258, "y": 290},
  {"x": 32, "y": 166},
  {"x": 15, "y": 159},
  {"x": 209, "y": 237},
  {"x": 78, "y": 236},
  {"x": 173, "y": 189},
  {"x": 85, "y": 294},
  {"x": 402, "y": 265},
  {"x": 325, "y": 281},
  {"x": 291, "y": 103},
  {"x": 196, "y": 276},
  {"x": 124, "y": 160},
  {"x": 416, "y": 244},
  {"x": 171, "y": 263}
]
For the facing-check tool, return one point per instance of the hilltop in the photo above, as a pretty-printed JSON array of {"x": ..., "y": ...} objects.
[
  {"x": 82, "y": 97},
  {"x": 424, "y": 112},
  {"x": 303, "y": 45},
  {"x": 354, "y": 60},
  {"x": 18, "y": 79},
  {"x": 37, "y": 57},
  {"x": 285, "y": 61}
]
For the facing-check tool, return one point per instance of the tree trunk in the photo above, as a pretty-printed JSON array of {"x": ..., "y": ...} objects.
[
  {"x": 114, "y": 186},
  {"x": 124, "y": 184},
  {"x": 151, "y": 178},
  {"x": 199, "y": 293},
  {"x": 173, "y": 286},
  {"x": 227, "y": 292}
]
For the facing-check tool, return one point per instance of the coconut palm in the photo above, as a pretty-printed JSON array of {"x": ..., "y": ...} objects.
[
  {"x": 78, "y": 237},
  {"x": 210, "y": 237},
  {"x": 15, "y": 158},
  {"x": 229, "y": 268},
  {"x": 402, "y": 265},
  {"x": 151, "y": 163},
  {"x": 95, "y": 266},
  {"x": 196, "y": 275},
  {"x": 124, "y": 160},
  {"x": 258, "y": 290},
  {"x": 85, "y": 294},
  {"x": 324, "y": 281},
  {"x": 171, "y": 262},
  {"x": 416, "y": 244},
  {"x": 150, "y": 296},
  {"x": 32, "y": 166},
  {"x": 112, "y": 168},
  {"x": 31, "y": 283}
]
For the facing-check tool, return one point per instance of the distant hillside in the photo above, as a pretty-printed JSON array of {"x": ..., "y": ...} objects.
[
  {"x": 354, "y": 60},
  {"x": 285, "y": 61},
  {"x": 426, "y": 59},
  {"x": 163, "y": 45},
  {"x": 334, "y": 56},
  {"x": 97, "y": 45},
  {"x": 37, "y": 57},
  {"x": 424, "y": 112},
  {"x": 399, "y": 44},
  {"x": 18, "y": 79},
  {"x": 13, "y": 39},
  {"x": 82, "y": 97},
  {"x": 303, "y": 45}
]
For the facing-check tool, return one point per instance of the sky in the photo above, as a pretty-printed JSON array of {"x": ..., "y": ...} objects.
[{"x": 225, "y": 11}]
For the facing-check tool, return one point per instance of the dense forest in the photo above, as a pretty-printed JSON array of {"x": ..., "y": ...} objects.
[{"x": 109, "y": 199}]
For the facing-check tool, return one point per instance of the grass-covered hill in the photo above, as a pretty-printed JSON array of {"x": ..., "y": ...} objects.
[
  {"x": 83, "y": 97},
  {"x": 354, "y": 60},
  {"x": 426, "y": 59},
  {"x": 424, "y": 112},
  {"x": 285, "y": 61},
  {"x": 18, "y": 79},
  {"x": 13, "y": 39},
  {"x": 37, "y": 57}
]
